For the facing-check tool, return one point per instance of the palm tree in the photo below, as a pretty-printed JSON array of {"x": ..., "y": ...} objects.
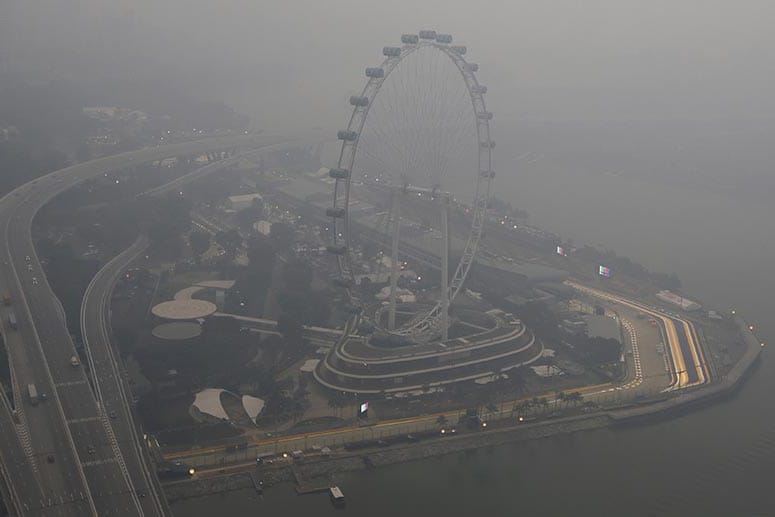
[
  {"x": 561, "y": 397},
  {"x": 575, "y": 398},
  {"x": 337, "y": 402}
]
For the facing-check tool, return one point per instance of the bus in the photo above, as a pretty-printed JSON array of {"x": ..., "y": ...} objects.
[{"x": 32, "y": 391}]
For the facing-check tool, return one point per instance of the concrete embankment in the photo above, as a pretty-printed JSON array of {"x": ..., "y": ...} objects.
[
  {"x": 325, "y": 467},
  {"x": 721, "y": 387},
  {"x": 312, "y": 468}
]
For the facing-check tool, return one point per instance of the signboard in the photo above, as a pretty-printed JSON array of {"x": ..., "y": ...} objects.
[{"x": 363, "y": 410}]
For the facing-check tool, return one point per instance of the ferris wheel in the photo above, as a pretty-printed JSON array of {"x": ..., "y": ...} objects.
[{"x": 420, "y": 125}]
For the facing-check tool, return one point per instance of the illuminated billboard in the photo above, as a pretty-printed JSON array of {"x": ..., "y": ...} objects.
[
  {"x": 604, "y": 272},
  {"x": 561, "y": 251},
  {"x": 363, "y": 410}
]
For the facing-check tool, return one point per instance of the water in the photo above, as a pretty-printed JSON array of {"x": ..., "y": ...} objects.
[{"x": 718, "y": 460}]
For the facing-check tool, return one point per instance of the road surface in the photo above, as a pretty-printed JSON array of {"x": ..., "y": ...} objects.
[{"x": 68, "y": 441}]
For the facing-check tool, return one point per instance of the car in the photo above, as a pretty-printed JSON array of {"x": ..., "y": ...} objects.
[
  {"x": 43, "y": 396},
  {"x": 34, "y": 280},
  {"x": 90, "y": 449},
  {"x": 27, "y": 258},
  {"x": 29, "y": 267},
  {"x": 50, "y": 458},
  {"x": 112, "y": 414}
]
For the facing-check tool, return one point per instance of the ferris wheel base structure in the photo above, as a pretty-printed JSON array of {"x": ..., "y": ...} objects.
[{"x": 357, "y": 365}]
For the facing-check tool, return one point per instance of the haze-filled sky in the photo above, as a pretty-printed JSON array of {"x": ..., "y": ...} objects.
[{"x": 293, "y": 63}]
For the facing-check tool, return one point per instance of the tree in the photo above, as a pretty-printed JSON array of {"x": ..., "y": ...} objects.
[
  {"x": 247, "y": 216},
  {"x": 297, "y": 275},
  {"x": 290, "y": 326},
  {"x": 230, "y": 241},
  {"x": 283, "y": 236},
  {"x": 560, "y": 397},
  {"x": 540, "y": 318},
  {"x": 575, "y": 397},
  {"x": 261, "y": 253},
  {"x": 337, "y": 401},
  {"x": 200, "y": 241},
  {"x": 167, "y": 221}
]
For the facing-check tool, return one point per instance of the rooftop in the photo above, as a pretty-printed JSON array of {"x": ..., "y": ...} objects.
[{"x": 184, "y": 309}]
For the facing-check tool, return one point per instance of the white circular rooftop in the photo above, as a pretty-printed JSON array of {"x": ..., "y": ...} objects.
[
  {"x": 177, "y": 330},
  {"x": 184, "y": 309}
]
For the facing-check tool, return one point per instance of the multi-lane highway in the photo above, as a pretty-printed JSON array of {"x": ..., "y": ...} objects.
[
  {"x": 66, "y": 448},
  {"x": 109, "y": 383}
]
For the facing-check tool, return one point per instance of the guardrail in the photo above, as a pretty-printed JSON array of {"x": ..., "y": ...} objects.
[
  {"x": 50, "y": 377},
  {"x": 135, "y": 249}
]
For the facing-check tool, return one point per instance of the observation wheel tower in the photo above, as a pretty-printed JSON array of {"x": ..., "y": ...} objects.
[{"x": 419, "y": 128}]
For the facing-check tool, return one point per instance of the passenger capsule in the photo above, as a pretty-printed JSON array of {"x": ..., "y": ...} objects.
[
  {"x": 375, "y": 72},
  {"x": 472, "y": 67},
  {"x": 357, "y": 100},
  {"x": 459, "y": 49},
  {"x": 391, "y": 51},
  {"x": 485, "y": 115},
  {"x": 339, "y": 174},
  {"x": 443, "y": 38},
  {"x": 489, "y": 144},
  {"x": 488, "y": 174},
  {"x": 480, "y": 89},
  {"x": 347, "y": 136},
  {"x": 409, "y": 39},
  {"x": 336, "y": 213},
  {"x": 427, "y": 34}
]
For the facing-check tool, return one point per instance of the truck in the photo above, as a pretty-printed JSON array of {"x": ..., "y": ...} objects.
[
  {"x": 32, "y": 391},
  {"x": 7, "y": 298},
  {"x": 12, "y": 321}
]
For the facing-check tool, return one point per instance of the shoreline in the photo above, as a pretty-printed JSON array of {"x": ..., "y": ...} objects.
[{"x": 311, "y": 470}]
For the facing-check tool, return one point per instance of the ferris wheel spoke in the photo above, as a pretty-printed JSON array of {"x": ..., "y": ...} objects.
[{"x": 424, "y": 122}]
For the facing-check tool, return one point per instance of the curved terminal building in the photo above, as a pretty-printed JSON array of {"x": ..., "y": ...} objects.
[{"x": 357, "y": 365}]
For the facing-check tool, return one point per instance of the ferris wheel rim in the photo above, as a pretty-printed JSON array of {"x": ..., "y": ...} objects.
[{"x": 341, "y": 238}]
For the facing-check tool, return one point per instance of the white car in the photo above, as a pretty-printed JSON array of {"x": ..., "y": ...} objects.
[{"x": 34, "y": 280}]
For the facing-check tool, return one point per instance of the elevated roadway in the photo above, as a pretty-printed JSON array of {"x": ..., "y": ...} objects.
[
  {"x": 109, "y": 382},
  {"x": 69, "y": 443}
]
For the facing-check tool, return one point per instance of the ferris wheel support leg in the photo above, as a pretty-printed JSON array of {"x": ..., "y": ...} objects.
[
  {"x": 394, "y": 264},
  {"x": 445, "y": 269}
]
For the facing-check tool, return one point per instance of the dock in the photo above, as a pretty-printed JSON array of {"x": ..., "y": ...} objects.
[{"x": 302, "y": 485}]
